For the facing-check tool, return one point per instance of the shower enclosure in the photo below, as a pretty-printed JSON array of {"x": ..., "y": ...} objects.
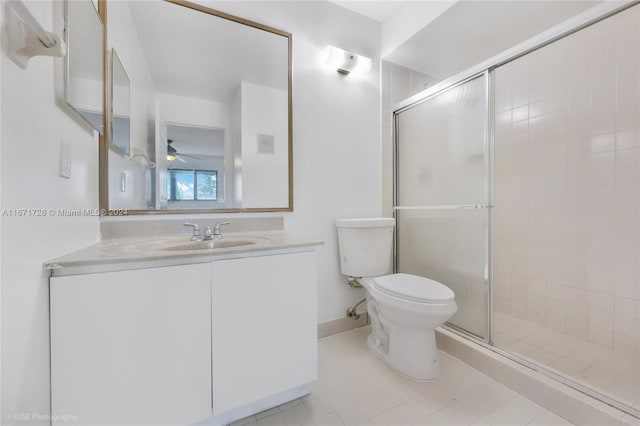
[
  {"x": 518, "y": 187},
  {"x": 441, "y": 201}
]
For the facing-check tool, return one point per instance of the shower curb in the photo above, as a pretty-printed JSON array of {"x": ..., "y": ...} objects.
[{"x": 562, "y": 400}]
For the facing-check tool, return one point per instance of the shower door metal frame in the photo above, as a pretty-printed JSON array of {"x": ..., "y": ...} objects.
[
  {"x": 593, "y": 16},
  {"x": 487, "y": 196}
]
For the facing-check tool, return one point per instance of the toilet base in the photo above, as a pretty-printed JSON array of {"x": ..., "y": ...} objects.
[{"x": 429, "y": 372}]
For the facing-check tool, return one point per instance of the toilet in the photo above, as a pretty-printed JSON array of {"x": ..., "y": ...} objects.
[{"x": 404, "y": 309}]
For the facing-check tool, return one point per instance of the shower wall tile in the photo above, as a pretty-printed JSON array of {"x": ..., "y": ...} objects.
[
  {"x": 627, "y": 139},
  {"x": 601, "y": 336},
  {"x": 601, "y": 302},
  {"x": 536, "y": 308},
  {"x": 567, "y": 185},
  {"x": 577, "y": 296},
  {"x": 626, "y": 344},
  {"x": 626, "y": 326},
  {"x": 600, "y": 319},
  {"x": 577, "y": 313},
  {"x": 577, "y": 329},
  {"x": 627, "y": 308},
  {"x": 629, "y": 289}
]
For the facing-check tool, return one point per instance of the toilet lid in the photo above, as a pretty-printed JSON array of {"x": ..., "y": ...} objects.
[{"x": 412, "y": 287}]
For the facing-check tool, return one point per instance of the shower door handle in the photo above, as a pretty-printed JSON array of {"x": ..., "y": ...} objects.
[{"x": 445, "y": 207}]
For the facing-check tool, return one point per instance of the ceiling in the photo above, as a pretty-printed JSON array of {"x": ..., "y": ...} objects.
[
  {"x": 376, "y": 10},
  {"x": 200, "y": 141},
  {"x": 467, "y": 33},
  {"x": 470, "y": 31},
  {"x": 194, "y": 54}
]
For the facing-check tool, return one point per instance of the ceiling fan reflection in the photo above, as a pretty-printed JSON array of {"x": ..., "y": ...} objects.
[{"x": 173, "y": 154}]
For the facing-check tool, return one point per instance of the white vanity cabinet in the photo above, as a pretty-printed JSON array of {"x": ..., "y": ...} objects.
[
  {"x": 132, "y": 347},
  {"x": 264, "y": 327},
  {"x": 208, "y": 342}
]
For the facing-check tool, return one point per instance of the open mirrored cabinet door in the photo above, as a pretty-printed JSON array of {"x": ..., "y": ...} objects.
[
  {"x": 120, "y": 95},
  {"x": 84, "y": 62},
  {"x": 200, "y": 111}
]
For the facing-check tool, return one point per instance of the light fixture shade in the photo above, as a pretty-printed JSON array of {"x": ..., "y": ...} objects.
[{"x": 346, "y": 62}]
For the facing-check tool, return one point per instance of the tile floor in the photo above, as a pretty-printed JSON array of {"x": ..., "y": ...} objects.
[
  {"x": 614, "y": 374},
  {"x": 355, "y": 388}
]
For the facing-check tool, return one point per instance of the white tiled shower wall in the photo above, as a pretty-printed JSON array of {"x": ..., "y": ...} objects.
[{"x": 567, "y": 184}]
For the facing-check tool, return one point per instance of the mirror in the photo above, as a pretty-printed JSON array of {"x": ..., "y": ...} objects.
[
  {"x": 120, "y": 108},
  {"x": 84, "y": 63},
  {"x": 209, "y": 116}
]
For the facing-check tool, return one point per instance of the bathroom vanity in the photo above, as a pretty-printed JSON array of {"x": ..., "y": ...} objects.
[{"x": 164, "y": 331}]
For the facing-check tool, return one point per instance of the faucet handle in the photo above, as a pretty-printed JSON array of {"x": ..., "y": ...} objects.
[
  {"x": 219, "y": 224},
  {"x": 216, "y": 229},
  {"x": 197, "y": 235}
]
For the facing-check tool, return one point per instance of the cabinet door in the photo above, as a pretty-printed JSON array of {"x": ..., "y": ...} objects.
[
  {"x": 132, "y": 347},
  {"x": 264, "y": 327}
]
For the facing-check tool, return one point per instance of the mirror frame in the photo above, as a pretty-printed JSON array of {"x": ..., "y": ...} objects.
[{"x": 105, "y": 137}]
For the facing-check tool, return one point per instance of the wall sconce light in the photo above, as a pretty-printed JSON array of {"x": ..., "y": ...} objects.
[{"x": 346, "y": 62}]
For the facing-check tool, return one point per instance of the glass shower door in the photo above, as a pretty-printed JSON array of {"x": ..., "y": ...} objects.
[{"x": 442, "y": 196}]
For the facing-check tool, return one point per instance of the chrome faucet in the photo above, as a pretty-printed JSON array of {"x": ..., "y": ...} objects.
[
  {"x": 208, "y": 233},
  {"x": 217, "y": 234},
  {"x": 197, "y": 234}
]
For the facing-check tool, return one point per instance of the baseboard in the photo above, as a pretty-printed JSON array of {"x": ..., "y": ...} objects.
[
  {"x": 341, "y": 324},
  {"x": 560, "y": 399},
  {"x": 256, "y": 407}
]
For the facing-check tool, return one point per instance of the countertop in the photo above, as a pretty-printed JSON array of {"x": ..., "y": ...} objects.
[{"x": 157, "y": 251}]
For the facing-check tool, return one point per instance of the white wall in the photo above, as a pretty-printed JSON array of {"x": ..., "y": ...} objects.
[
  {"x": 192, "y": 111},
  {"x": 136, "y": 195},
  {"x": 31, "y": 126}
]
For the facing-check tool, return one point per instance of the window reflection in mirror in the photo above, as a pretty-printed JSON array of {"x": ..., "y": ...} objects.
[
  {"x": 215, "y": 124},
  {"x": 195, "y": 167}
]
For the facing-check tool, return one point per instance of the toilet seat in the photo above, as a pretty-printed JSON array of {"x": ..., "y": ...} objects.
[{"x": 414, "y": 288}]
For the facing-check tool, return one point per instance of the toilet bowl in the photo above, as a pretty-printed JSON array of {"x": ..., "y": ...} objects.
[{"x": 404, "y": 309}]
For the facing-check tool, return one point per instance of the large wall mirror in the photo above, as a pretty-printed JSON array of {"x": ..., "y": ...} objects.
[{"x": 209, "y": 111}]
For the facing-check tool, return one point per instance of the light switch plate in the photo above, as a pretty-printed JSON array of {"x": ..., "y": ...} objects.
[{"x": 65, "y": 159}]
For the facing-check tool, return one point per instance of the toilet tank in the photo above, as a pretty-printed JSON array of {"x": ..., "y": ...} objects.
[{"x": 365, "y": 246}]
